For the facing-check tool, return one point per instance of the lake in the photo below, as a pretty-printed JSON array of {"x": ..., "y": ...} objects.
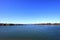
[{"x": 38, "y": 32}]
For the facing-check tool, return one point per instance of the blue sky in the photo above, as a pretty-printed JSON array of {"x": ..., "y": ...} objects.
[{"x": 29, "y": 11}]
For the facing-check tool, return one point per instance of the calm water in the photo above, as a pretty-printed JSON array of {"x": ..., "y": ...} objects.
[{"x": 31, "y": 31}]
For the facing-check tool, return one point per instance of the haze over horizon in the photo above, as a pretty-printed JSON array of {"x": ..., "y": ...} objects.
[{"x": 29, "y": 11}]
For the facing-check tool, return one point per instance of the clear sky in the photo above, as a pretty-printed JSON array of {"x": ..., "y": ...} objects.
[{"x": 29, "y": 11}]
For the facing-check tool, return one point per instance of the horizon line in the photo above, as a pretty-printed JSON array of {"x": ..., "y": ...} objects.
[{"x": 29, "y": 23}]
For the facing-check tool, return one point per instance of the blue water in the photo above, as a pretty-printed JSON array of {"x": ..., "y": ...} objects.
[{"x": 31, "y": 31}]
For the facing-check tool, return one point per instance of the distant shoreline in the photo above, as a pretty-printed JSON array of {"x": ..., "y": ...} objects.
[
  {"x": 48, "y": 24},
  {"x": 2, "y": 24},
  {"x": 10, "y": 24}
]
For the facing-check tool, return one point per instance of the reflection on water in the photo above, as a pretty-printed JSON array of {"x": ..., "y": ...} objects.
[{"x": 31, "y": 31}]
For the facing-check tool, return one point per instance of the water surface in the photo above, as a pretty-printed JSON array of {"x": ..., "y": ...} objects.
[{"x": 31, "y": 31}]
